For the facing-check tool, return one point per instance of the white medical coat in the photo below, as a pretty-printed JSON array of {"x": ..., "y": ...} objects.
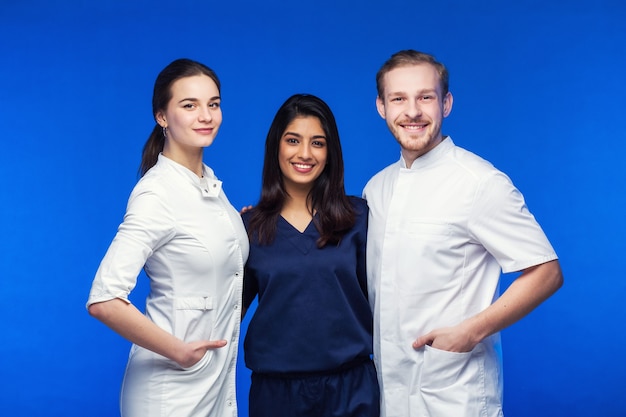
[
  {"x": 440, "y": 233},
  {"x": 193, "y": 246}
]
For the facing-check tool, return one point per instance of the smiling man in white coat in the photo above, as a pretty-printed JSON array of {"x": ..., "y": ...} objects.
[{"x": 443, "y": 225}]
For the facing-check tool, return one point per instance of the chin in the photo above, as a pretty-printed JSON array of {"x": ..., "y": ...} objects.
[{"x": 415, "y": 144}]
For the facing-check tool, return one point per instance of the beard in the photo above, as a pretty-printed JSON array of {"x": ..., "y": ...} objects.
[{"x": 417, "y": 143}]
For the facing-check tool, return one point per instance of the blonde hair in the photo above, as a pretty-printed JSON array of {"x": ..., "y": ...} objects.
[{"x": 409, "y": 57}]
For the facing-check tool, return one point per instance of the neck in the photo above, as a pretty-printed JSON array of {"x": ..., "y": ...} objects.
[
  {"x": 410, "y": 156},
  {"x": 297, "y": 212},
  {"x": 297, "y": 201},
  {"x": 191, "y": 159},
  {"x": 297, "y": 198}
]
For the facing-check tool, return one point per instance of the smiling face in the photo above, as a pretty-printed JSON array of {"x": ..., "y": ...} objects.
[
  {"x": 193, "y": 115},
  {"x": 302, "y": 153},
  {"x": 414, "y": 109}
]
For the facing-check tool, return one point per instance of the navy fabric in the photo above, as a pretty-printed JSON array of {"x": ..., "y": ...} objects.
[
  {"x": 349, "y": 393},
  {"x": 313, "y": 314}
]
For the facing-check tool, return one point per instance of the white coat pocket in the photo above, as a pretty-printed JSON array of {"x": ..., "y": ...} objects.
[
  {"x": 453, "y": 384},
  {"x": 201, "y": 363},
  {"x": 194, "y": 318}
]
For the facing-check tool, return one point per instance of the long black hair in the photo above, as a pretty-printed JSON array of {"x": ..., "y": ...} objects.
[
  {"x": 327, "y": 198},
  {"x": 161, "y": 96}
]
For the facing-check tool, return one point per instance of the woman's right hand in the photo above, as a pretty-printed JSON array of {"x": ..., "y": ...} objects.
[
  {"x": 195, "y": 351},
  {"x": 132, "y": 324}
]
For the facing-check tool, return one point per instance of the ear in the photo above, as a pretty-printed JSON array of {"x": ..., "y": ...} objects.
[
  {"x": 447, "y": 104},
  {"x": 380, "y": 106},
  {"x": 160, "y": 119}
]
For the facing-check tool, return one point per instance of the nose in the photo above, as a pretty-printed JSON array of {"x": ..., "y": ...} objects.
[
  {"x": 205, "y": 114},
  {"x": 413, "y": 109},
  {"x": 304, "y": 151}
]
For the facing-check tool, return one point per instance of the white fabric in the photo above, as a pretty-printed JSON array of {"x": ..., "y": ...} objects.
[
  {"x": 440, "y": 233},
  {"x": 194, "y": 247}
]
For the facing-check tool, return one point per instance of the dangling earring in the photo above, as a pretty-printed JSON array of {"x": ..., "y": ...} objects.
[{"x": 165, "y": 131}]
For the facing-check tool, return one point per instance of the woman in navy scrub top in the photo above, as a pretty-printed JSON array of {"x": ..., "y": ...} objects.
[{"x": 309, "y": 342}]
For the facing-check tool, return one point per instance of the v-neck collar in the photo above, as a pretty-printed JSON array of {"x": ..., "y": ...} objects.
[{"x": 303, "y": 241}]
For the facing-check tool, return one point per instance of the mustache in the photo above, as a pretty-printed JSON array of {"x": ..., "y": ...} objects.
[{"x": 414, "y": 121}]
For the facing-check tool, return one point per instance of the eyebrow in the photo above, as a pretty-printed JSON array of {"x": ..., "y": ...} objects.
[
  {"x": 422, "y": 91},
  {"x": 300, "y": 136},
  {"x": 195, "y": 99}
]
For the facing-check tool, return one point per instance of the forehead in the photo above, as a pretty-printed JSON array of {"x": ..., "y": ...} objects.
[
  {"x": 305, "y": 123},
  {"x": 411, "y": 78},
  {"x": 196, "y": 86}
]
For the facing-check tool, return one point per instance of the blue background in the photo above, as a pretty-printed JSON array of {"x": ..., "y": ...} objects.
[{"x": 539, "y": 90}]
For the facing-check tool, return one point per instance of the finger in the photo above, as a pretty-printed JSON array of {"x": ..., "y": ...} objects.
[
  {"x": 216, "y": 344},
  {"x": 418, "y": 343},
  {"x": 245, "y": 209},
  {"x": 422, "y": 341}
]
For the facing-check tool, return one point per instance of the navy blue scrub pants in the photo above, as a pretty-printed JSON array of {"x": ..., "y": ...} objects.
[{"x": 351, "y": 392}]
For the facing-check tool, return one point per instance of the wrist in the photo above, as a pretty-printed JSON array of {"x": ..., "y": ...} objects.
[{"x": 475, "y": 330}]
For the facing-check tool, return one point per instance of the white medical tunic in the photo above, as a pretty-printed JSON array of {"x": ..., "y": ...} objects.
[
  {"x": 193, "y": 246},
  {"x": 440, "y": 233}
]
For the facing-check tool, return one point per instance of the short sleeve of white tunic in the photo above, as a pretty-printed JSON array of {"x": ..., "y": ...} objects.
[
  {"x": 186, "y": 235},
  {"x": 501, "y": 222},
  {"x": 148, "y": 223}
]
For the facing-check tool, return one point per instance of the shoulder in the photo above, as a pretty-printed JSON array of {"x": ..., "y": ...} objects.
[
  {"x": 150, "y": 184},
  {"x": 384, "y": 175},
  {"x": 358, "y": 204},
  {"x": 361, "y": 211},
  {"x": 246, "y": 217},
  {"x": 381, "y": 182},
  {"x": 478, "y": 174},
  {"x": 488, "y": 184},
  {"x": 471, "y": 163},
  {"x": 253, "y": 214},
  {"x": 154, "y": 192}
]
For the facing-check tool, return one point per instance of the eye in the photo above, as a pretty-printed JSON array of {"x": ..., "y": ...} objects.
[
  {"x": 291, "y": 140},
  {"x": 215, "y": 105},
  {"x": 318, "y": 143},
  {"x": 189, "y": 105},
  {"x": 397, "y": 99},
  {"x": 427, "y": 98}
]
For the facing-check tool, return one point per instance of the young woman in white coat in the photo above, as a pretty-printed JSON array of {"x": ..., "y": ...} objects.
[{"x": 180, "y": 227}]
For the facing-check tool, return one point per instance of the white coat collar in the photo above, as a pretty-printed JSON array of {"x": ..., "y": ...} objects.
[
  {"x": 431, "y": 156},
  {"x": 208, "y": 185}
]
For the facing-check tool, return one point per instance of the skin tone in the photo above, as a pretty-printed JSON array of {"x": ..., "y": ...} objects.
[
  {"x": 302, "y": 158},
  {"x": 414, "y": 109},
  {"x": 192, "y": 118}
]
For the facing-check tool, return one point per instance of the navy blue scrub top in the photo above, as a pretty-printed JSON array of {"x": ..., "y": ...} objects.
[{"x": 313, "y": 314}]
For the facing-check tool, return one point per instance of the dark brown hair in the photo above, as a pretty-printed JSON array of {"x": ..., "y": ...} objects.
[{"x": 335, "y": 214}]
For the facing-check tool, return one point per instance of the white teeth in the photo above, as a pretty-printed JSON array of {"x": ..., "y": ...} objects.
[{"x": 302, "y": 166}]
